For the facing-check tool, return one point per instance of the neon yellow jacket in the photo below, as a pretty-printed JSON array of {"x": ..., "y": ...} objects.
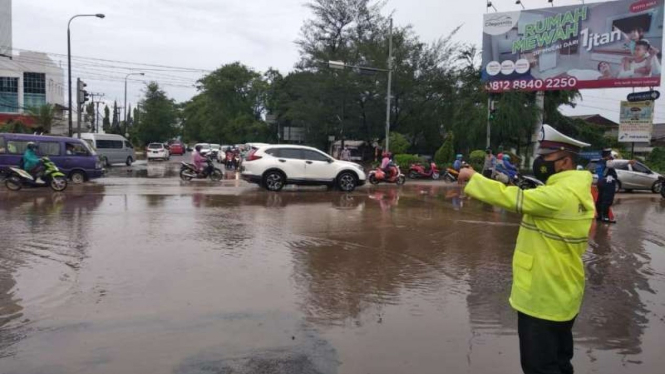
[{"x": 548, "y": 274}]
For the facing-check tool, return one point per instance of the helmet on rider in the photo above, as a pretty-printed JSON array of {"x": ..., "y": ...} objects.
[
  {"x": 459, "y": 156},
  {"x": 198, "y": 148},
  {"x": 31, "y": 146},
  {"x": 506, "y": 158},
  {"x": 499, "y": 156}
]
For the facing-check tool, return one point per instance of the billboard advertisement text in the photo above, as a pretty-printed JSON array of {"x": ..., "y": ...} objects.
[{"x": 600, "y": 45}]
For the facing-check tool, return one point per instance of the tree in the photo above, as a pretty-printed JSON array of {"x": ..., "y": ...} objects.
[
  {"x": 158, "y": 116},
  {"x": 44, "y": 116},
  {"x": 398, "y": 143},
  {"x": 446, "y": 154},
  {"x": 229, "y": 107},
  {"x": 115, "y": 125},
  {"x": 106, "y": 122}
]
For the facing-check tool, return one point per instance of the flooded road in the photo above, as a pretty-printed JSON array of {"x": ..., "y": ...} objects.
[{"x": 141, "y": 275}]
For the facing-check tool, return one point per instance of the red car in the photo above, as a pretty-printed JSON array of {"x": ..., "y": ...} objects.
[{"x": 177, "y": 149}]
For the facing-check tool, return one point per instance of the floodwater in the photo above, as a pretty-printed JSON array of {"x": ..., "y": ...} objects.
[{"x": 138, "y": 275}]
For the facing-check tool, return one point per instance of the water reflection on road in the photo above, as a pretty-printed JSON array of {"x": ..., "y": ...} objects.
[{"x": 111, "y": 278}]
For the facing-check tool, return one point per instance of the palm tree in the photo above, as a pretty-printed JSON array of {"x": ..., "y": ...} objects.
[{"x": 44, "y": 117}]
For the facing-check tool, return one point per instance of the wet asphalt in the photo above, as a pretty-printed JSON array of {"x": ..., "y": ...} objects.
[{"x": 139, "y": 272}]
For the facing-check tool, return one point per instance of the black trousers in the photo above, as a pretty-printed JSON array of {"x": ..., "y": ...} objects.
[
  {"x": 546, "y": 347},
  {"x": 605, "y": 200}
]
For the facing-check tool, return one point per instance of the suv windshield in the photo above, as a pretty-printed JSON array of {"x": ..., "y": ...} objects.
[{"x": 155, "y": 146}]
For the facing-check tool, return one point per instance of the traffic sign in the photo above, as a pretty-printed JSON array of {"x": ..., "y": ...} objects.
[{"x": 643, "y": 96}]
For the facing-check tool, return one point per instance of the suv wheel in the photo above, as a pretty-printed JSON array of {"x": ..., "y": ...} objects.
[
  {"x": 657, "y": 187},
  {"x": 274, "y": 180},
  {"x": 347, "y": 182}
]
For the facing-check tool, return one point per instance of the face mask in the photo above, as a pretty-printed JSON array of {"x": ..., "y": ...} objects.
[{"x": 543, "y": 170}]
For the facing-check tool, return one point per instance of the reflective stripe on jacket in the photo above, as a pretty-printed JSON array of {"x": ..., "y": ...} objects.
[{"x": 548, "y": 273}]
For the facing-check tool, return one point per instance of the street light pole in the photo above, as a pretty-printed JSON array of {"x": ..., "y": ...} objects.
[
  {"x": 125, "y": 107},
  {"x": 69, "y": 65},
  {"x": 390, "y": 80}
]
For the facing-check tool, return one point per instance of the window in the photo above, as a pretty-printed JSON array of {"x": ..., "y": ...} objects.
[
  {"x": 2, "y": 145},
  {"x": 128, "y": 145},
  {"x": 291, "y": 153},
  {"x": 8, "y": 95},
  {"x": 34, "y": 89},
  {"x": 90, "y": 143},
  {"x": 621, "y": 166},
  {"x": 49, "y": 148},
  {"x": 109, "y": 144},
  {"x": 17, "y": 147},
  {"x": 641, "y": 168},
  {"x": 314, "y": 156},
  {"x": 155, "y": 146},
  {"x": 76, "y": 149}
]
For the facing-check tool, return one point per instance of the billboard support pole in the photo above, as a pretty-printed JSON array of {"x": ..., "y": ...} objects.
[
  {"x": 540, "y": 104},
  {"x": 632, "y": 151},
  {"x": 489, "y": 111}
]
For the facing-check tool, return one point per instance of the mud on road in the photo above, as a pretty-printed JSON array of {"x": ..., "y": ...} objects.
[{"x": 151, "y": 275}]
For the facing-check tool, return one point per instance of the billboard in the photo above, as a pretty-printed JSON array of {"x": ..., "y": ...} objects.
[
  {"x": 5, "y": 27},
  {"x": 636, "y": 121},
  {"x": 600, "y": 45}
]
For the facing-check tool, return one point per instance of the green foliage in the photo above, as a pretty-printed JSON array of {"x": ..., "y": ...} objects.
[
  {"x": 228, "y": 108},
  {"x": 477, "y": 159},
  {"x": 15, "y": 127},
  {"x": 398, "y": 143},
  {"x": 44, "y": 116},
  {"x": 656, "y": 159},
  {"x": 446, "y": 154},
  {"x": 404, "y": 161},
  {"x": 158, "y": 116},
  {"x": 106, "y": 122}
]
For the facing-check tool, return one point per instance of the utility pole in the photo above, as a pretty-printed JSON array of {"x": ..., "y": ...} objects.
[
  {"x": 390, "y": 81},
  {"x": 540, "y": 104}
]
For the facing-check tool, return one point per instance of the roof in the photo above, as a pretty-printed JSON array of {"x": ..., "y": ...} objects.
[{"x": 597, "y": 119}]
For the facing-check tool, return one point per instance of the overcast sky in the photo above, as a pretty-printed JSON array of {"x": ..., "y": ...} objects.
[{"x": 206, "y": 34}]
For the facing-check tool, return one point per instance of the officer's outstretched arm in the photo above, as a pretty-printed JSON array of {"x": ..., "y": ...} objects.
[{"x": 542, "y": 201}]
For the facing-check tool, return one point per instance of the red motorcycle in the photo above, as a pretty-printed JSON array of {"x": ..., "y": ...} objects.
[
  {"x": 379, "y": 176},
  {"x": 419, "y": 171}
]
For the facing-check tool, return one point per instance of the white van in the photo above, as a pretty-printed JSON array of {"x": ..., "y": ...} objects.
[{"x": 112, "y": 149}]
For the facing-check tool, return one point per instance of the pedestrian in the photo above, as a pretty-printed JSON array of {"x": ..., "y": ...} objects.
[
  {"x": 489, "y": 164},
  {"x": 346, "y": 154},
  {"x": 548, "y": 273}
]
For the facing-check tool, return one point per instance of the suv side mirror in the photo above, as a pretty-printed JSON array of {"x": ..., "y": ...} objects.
[{"x": 330, "y": 160}]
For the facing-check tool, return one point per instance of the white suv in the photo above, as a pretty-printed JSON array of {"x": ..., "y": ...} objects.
[
  {"x": 157, "y": 150},
  {"x": 274, "y": 166}
]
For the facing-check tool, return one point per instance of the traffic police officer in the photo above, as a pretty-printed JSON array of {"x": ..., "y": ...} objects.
[
  {"x": 548, "y": 273},
  {"x": 607, "y": 180}
]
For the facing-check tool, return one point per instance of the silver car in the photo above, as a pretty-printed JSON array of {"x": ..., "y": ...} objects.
[{"x": 633, "y": 177}]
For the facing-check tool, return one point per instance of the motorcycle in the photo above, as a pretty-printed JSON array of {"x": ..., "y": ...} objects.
[
  {"x": 419, "y": 171},
  {"x": 232, "y": 161},
  {"x": 378, "y": 176},
  {"x": 53, "y": 177},
  {"x": 188, "y": 171}
]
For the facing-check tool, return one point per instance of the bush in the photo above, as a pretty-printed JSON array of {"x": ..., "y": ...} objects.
[
  {"x": 405, "y": 161},
  {"x": 398, "y": 143},
  {"x": 446, "y": 154},
  {"x": 656, "y": 159},
  {"x": 477, "y": 159}
]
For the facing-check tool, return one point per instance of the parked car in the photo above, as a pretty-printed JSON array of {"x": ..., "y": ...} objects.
[
  {"x": 177, "y": 149},
  {"x": 215, "y": 149},
  {"x": 157, "y": 151},
  {"x": 72, "y": 156},
  {"x": 111, "y": 148},
  {"x": 205, "y": 148},
  {"x": 632, "y": 177},
  {"x": 275, "y": 166}
]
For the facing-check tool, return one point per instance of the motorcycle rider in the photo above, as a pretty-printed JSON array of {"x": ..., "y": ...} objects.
[
  {"x": 457, "y": 165},
  {"x": 198, "y": 160},
  {"x": 32, "y": 164},
  {"x": 511, "y": 170},
  {"x": 386, "y": 165}
]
